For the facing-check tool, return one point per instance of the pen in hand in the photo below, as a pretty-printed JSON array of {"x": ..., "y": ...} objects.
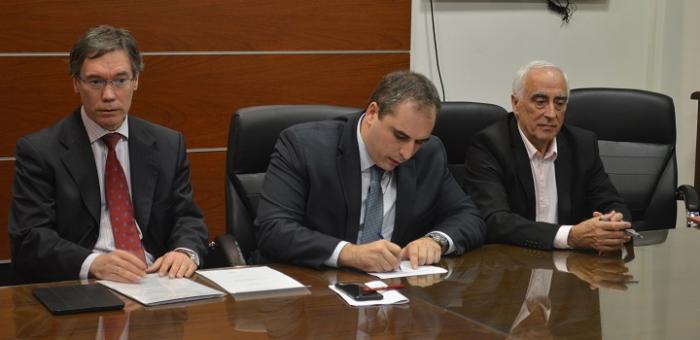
[{"x": 629, "y": 231}]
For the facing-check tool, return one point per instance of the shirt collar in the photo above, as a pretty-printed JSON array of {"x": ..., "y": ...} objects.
[
  {"x": 96, "y": 132},
  {"x": 366, "y": 161},
  {"x": 532, "y": 151}
]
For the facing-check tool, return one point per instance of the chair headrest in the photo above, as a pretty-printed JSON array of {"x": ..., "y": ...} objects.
[
  {"x": 253, "y": 132},
  {"x": 623, "y": 115},
  {"x": 457, "y": 122}
]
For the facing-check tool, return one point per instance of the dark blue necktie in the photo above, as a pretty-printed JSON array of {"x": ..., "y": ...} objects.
[{"x": 374, "y": 207}]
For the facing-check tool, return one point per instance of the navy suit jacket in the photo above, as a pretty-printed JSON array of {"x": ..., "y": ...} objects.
[
  {"x": 55, "y": 213},
  {"x": 311, "y": 195},
  {"x": 499, "y": 177}
]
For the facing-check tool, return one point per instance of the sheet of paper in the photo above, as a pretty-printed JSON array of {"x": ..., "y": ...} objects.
[
  {"x": 406, "y": 270},
  {"x": 154, "y": 290},
  {"x": 390, "y": 297},
  {"x": 250, "y": 279}
]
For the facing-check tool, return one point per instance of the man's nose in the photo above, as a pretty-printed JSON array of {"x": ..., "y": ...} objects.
[
  {"x": 108, "y": 92},
  {"x": 550, "y": 111},
  {"x": 407, "y": 150}
]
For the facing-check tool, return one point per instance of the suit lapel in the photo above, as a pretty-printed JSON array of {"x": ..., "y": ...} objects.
[
  {"x": 522, "y": 165},
  {"x": 144, "y": 171},
  {"x": 563, "y": 167},
  {"x": 405, "y": 198},
  {"x": 80, "y": 163},
  {"x": 348, "y": 165}
]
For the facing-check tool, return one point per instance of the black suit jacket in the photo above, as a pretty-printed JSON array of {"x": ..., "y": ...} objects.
[
  {"x": 55, "y": 213},
  {"x": 311, "y": 195},
  {"x": 499, "y": 177}
]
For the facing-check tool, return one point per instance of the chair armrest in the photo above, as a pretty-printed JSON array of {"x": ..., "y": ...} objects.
[
  {"x": 688, "y": 194},
  {"x": 224, "y": 252}
]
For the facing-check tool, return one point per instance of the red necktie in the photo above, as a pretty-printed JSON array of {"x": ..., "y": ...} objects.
[{"x": 121, "y": 211}]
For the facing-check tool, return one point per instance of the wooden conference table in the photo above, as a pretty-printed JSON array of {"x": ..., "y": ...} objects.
[{"x": 496, "y": 292}]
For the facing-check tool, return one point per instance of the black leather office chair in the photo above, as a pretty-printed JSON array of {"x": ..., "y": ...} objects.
[
  {"x": 637, "y": 139},
  {"x": 7, "y": 274},
  {"x": 456, "y": 123},
  {"x": 251, "y": 140}
]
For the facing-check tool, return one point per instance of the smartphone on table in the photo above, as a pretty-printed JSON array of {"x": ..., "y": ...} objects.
[{"x": 357, "y": 292}]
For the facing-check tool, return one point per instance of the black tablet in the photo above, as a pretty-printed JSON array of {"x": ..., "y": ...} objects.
[{"x": 77, "y": 298}]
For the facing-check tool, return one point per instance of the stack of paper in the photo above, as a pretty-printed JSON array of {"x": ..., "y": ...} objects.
[
  {"x": 406, "y": 270},
  {"x": 389, "y": 297},
  {"x": 251, "y": 281},
  {"x": 154, "y": 290}
]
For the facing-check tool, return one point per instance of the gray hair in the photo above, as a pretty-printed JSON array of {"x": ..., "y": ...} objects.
[
  {"x": 398, "y": 86},
  {"x": 101, "y": 40},
  {"x": 521, "y": 74}
]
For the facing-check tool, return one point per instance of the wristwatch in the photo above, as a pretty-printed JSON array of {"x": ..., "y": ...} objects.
[
  {"x": 440, "y": 239},
  {"x": 189, "y": 254}
]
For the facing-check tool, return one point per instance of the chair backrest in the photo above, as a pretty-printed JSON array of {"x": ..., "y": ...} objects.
[
  {"x": 456, "y": 123},
  {"x": 253, "y": 133},
  {"x": 637, "y": 139}
]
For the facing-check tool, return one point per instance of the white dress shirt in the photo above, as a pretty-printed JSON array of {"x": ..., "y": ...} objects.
[
  {"x": 105, "y": 240},
  {"x": 546, "y": 197}
]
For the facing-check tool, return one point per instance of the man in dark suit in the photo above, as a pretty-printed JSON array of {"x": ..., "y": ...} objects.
[
  {"x": 367, "y": 190},
  {"x": 102, "y": 193},
  {"x": 540, "y": 183}
]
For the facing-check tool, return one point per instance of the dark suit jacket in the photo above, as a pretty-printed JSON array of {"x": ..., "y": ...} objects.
[
  {"x": 499, "y": 177},
  {"x": 55, "y": 213},
  {"x": 311, "y": 195}
]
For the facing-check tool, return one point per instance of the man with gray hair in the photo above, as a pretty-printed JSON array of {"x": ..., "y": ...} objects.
[
  {"x": 539, "y": 183},
  {"x": 367, "y": 190},
  {"x": 102, "y": 193}
]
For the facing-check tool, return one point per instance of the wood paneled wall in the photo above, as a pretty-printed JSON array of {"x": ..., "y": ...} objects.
[{"x": 204, "y": 59}]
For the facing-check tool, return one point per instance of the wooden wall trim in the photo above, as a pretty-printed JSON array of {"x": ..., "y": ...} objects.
[{"x": 211, "y": 25}]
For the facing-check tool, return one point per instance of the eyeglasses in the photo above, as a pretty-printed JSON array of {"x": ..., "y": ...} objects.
[{"x": 99, "y": 83}]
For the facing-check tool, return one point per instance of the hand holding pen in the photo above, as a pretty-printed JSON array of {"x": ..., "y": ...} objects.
[
  {"x": 602, "y": 232},
  {"x": 629, "y": 231}
]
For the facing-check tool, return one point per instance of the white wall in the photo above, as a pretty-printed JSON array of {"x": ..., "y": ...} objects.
[{"x": 645, "y": 44}]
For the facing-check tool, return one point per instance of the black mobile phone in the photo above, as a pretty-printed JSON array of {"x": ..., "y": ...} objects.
[{"x": 356, "y": 291}]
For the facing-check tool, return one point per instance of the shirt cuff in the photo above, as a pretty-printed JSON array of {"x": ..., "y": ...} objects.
[
  {"x": 190, "y": 251},
  {"x": 333, "y": 260},
  {"x": 451, "y": 248},
  {"x": 85, "y": 267},
  {"x": 561, "y": 239},
  {"x": 560, "y": 258}
]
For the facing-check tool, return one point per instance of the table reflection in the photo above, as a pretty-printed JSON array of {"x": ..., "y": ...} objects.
[
  {"x": 32, "y": 320},
  {"x": 314, "y": 317},
  {"x": 526, "y": 293}
]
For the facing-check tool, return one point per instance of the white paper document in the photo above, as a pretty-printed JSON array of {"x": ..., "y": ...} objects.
[
  {"x": 406, "y": 270},
  {"x": 389, "y": 297},
  {"x": 154, "y": 290},
  {"x": 250, "y": 279}
]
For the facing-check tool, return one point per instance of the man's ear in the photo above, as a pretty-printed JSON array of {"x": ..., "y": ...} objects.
[
  {"x": 514, "y": 103},
  {"x": 75, "y": 85},
  {"x": 136, "y": 82},
  {"x": 372, "y": 112}
]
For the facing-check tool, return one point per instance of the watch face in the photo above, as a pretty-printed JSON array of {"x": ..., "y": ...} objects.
[{"x": 441, "y": 240}]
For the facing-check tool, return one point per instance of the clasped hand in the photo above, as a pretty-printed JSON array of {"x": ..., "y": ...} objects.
[
  {"x": 602, "y": 232},
  {"x": 384, "y": 256},
  {"x": 123, "y": 266}
]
